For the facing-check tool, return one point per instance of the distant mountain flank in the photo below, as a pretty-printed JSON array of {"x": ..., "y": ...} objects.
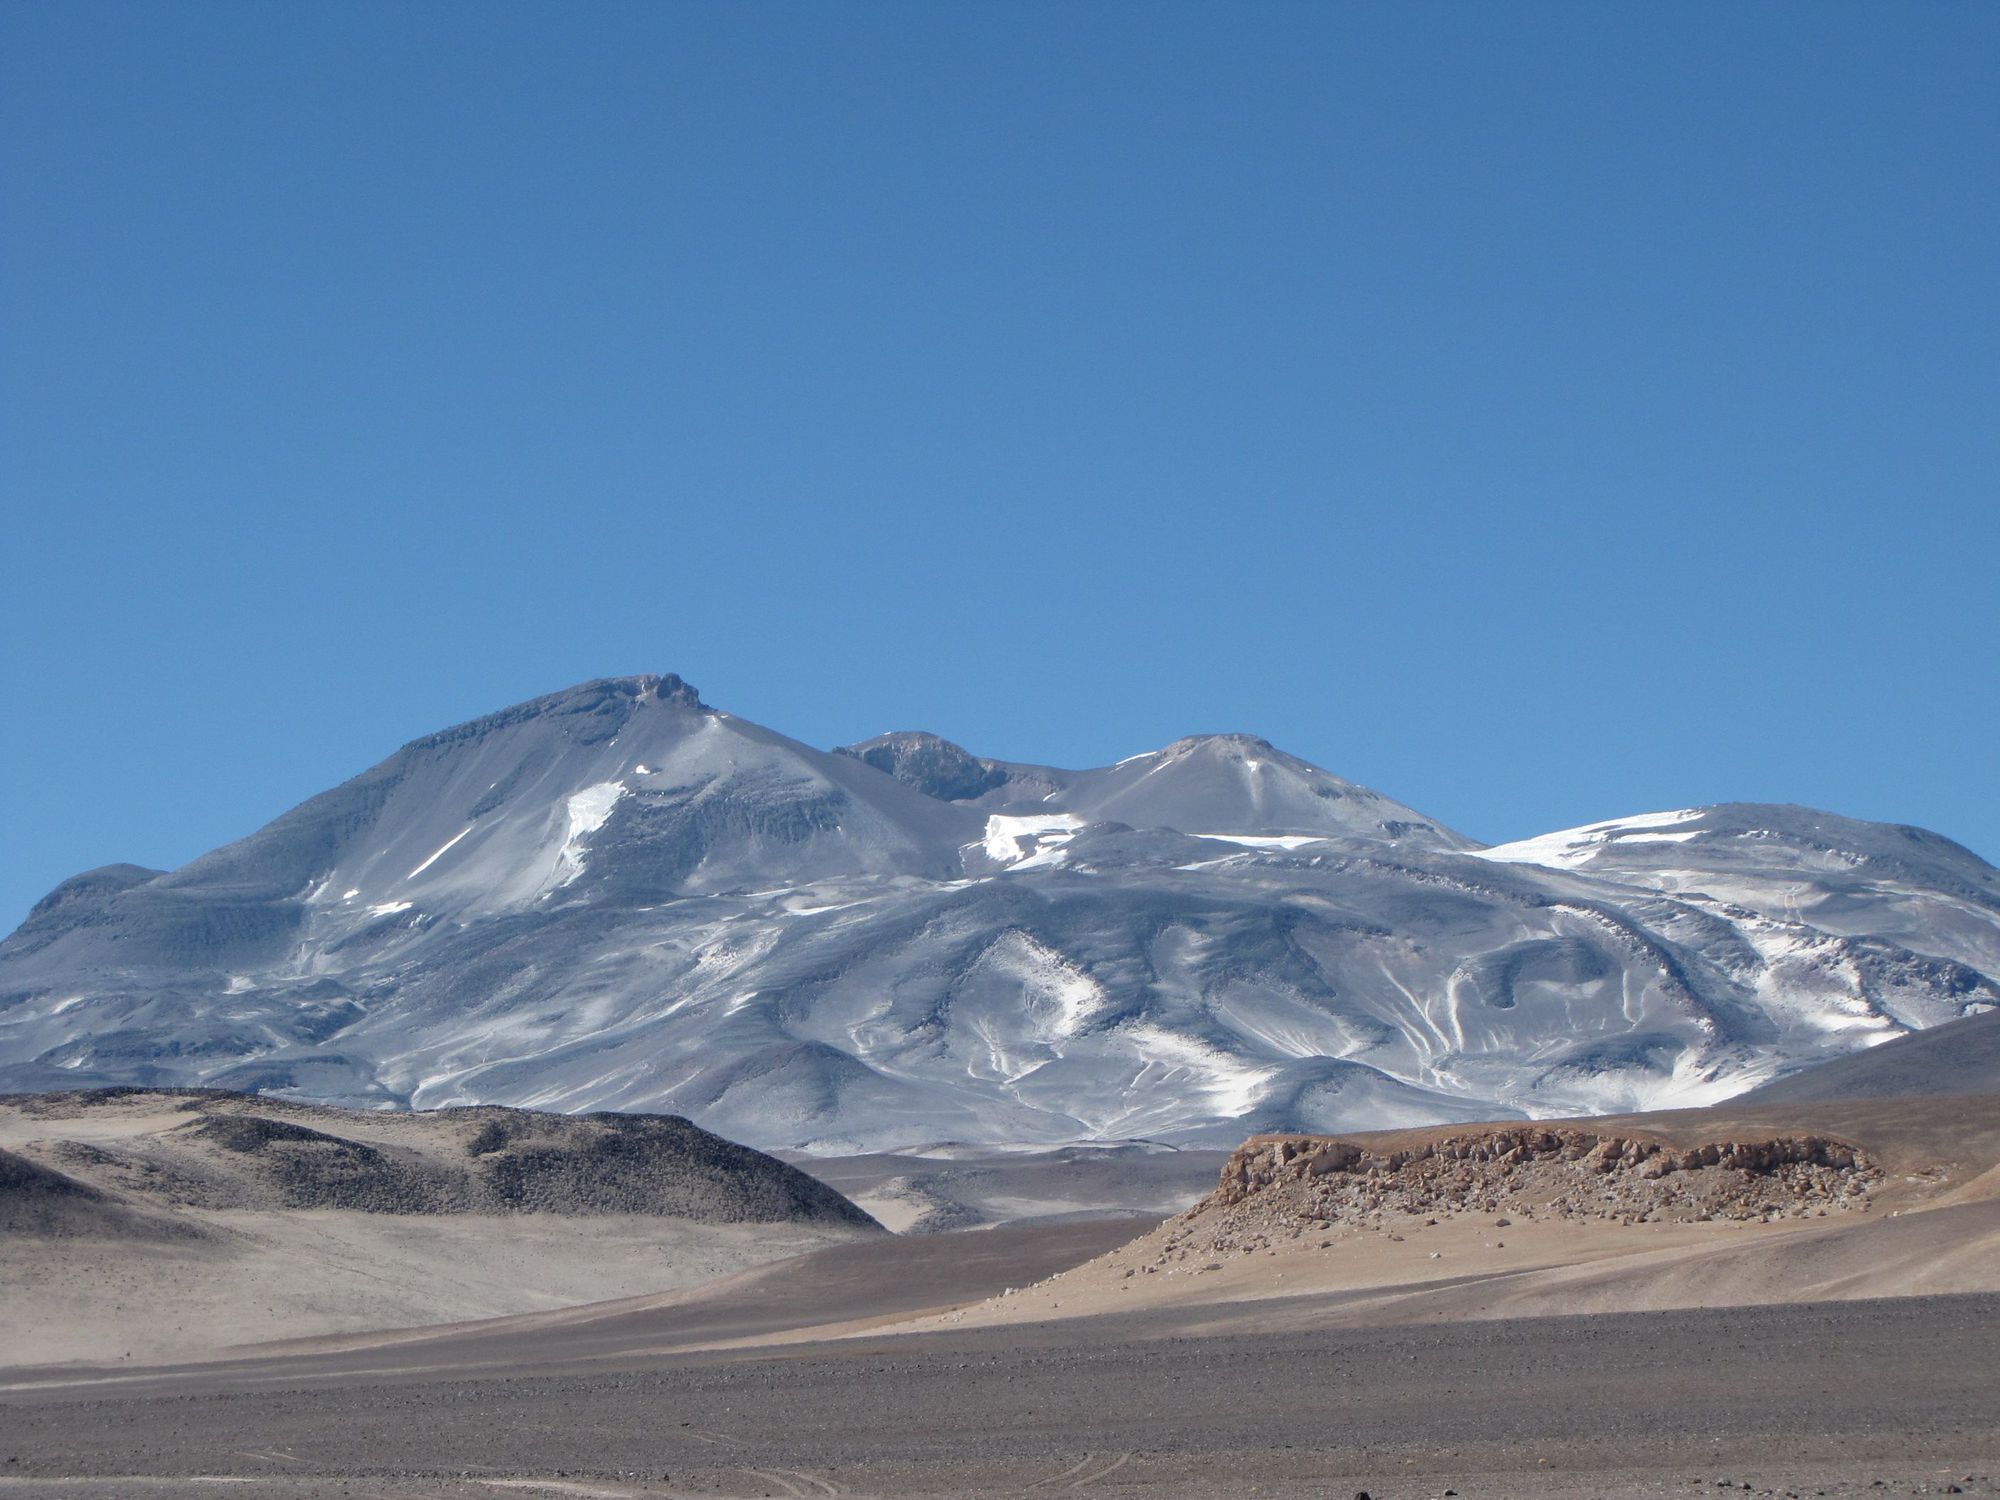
[{"x": 618, "y": 897}]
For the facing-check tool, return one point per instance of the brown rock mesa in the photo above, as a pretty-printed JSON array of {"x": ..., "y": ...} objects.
[{"x": 1301, "y": 1182}]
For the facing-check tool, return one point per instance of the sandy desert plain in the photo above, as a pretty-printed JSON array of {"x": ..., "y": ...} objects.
[{"x": 1795, "y": 1293}]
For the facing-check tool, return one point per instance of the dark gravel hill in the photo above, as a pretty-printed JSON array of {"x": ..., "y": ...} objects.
[{"x": 213, "y": 1150}]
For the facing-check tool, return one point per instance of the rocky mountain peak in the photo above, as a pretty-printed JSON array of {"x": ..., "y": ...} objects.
[
  {"x": 1224, "y": 744},
  {"x": 671, "y": 688},
  {"x": 930, "y": 763}
]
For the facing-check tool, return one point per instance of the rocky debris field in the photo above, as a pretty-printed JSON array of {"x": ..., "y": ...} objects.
[{"x": 1276, "y": 1186}]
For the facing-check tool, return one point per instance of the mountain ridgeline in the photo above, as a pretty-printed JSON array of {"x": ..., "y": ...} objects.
[{"x": 620, "y": 898}]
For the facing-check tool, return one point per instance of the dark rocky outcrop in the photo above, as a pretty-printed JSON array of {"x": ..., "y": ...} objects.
[
  {"x": 1559, "y": 1171},
  {"x": 930, "y": 763}
]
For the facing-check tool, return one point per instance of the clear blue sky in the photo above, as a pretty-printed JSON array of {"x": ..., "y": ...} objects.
[{"x": 1537, "y": 412}]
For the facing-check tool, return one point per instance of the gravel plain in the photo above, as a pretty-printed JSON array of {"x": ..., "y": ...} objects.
[{"x": 1897, "y": 1396}]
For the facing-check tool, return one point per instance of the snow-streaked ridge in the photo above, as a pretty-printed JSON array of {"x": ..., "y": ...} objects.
[{"x": 617, "y": 898}]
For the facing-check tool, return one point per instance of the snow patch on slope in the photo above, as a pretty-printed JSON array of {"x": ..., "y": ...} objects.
[
  {"x": 1264, "y": 840},
  {"x": 1570, "y": 847},
  {"x": 1230, "y": 1085},
  {"x": 1056, "y": 992},
  {"x": 1030, "y": 842},
  {"x": 587, "y": 811},
  {"x": 434, "y": 858}
]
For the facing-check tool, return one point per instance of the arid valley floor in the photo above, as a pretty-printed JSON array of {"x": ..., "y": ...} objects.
[{"x": 1798, "y": 1296}]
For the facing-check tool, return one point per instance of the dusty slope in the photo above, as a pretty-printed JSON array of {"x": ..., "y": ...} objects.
[
  {"x": 834, "y": 1291},
  {"x": 156, "y": 1225}
]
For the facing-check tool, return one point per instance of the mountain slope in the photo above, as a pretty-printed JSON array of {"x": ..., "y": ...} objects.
[
  {"x": 619, "y": 898},
  {"x": 1788, "y": 864},
  {"x": 1962, "y": 1057}
]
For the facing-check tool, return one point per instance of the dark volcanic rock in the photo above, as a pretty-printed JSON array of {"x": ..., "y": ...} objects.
[
  {"x": 644, "y": 1164},
  {"x": 931, "y": 764}
]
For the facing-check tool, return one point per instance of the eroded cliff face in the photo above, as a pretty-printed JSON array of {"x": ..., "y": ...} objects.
[{"x": 1557, "y": 1171}]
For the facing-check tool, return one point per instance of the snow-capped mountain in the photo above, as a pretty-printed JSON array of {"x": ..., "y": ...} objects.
[{"x": 618, "y": 897}]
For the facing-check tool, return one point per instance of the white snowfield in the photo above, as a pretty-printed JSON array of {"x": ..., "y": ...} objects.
[
  {"x": 1265, "y": 840},
  {"x": 1574, "y": 846},
  {"x": 586, "y": 812},
  {"x": 1029, "y": 842},
  {"x": 618, "y": 898}
]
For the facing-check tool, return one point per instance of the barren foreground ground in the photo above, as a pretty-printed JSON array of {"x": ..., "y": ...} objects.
[
  {"x": 1811, "y": 1399},
  {"x": 1319, "y": 1327}
]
